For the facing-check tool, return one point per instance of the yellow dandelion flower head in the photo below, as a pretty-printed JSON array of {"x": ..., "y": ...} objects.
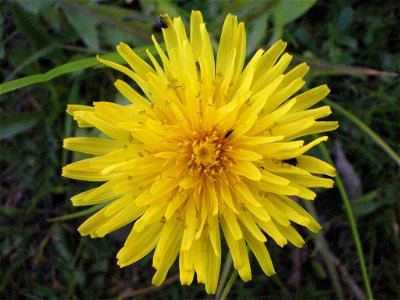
[{"x": 210, "y": 147}]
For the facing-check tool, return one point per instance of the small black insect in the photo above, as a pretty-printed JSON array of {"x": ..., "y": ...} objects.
[
  {"x": 161, "y": 22},
  {"x": 290, "y": 161},
  {"x": 228, "y": 133},
  {"x": 198, "y": 66}
]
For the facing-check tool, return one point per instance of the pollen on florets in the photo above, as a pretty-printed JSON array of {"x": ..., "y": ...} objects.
[{"x": 205, "y": 152}]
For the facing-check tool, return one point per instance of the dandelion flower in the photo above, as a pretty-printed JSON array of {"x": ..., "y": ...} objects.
[{"x": 211, "y": 147}]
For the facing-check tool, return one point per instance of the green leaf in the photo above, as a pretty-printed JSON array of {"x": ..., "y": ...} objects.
[
  {"x": 2, "y": 38},
  {"x": 114, "y": 36},
  {"x": 33, "y": 6},
  {"x": 367, "y": 204},
  {"x": 11, "y": 125},
  {"x": 85, "y": 26},
  {"x": 171, "y": 9},
  {"x": 117, "y": 13},
  {"x": 53, "y": 19},
  {"x": 29, "y": 25},
  {"x": 65, "y": 69},
  {"x": 34, "y": 57},
  {"x": 257, "y": 33},
  {"x": 287, "y": 11}
]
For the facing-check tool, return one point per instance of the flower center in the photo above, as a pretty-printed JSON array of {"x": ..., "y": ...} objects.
[{"x": 206, "y": 153}]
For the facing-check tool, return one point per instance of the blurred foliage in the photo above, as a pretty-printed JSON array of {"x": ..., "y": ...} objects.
[{"x": 352, "y": 45}]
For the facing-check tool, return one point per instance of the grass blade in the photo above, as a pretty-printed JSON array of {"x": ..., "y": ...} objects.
[
  {"x": 229, "y": 285},
  {"x": 58, "y": 71},
  {"x": 322, "y": 245},
  {"x": 224, "y": 276},
  {"x": 353, "y": 224},
  {"x": 14, "y": 124},
  {"x": 39, "y": 54},
  {"x": 329, "y": 68},
  {"x": 63, "y": 69},
  {"x": 78, "y": 214},
  {"x": 375, "y": 137}
]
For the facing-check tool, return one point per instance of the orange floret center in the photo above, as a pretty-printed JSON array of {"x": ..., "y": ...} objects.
[{"x": 205, "y": 152}]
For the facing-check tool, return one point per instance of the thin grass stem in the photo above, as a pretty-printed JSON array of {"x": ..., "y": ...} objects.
[
  {"x": 374, "y": 136},
  {"x": 79, "y": 214},
  {"x": 229, "y": 285},
  {"x": 352, "y": 222},
  {"x": 224, "y": 275},
  {"x": 322, "y": 245}
]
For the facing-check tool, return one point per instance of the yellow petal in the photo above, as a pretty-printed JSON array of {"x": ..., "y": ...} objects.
[
  {"x": 290, "y": 129},
  {"x": 280, "y": 189},
  {"x": 107, "y": 128},
  {"x": 121, "y": 212},
  {"x": 245, "y": 194},
  {"x": 317, "y": 127},
  {"x": 316, "y": 113},
  {"x": 303, "y": 192},
  {"x": 272, "y": 73},
  {"x": 132, "y": 95},
  {"x": 297, "y": 72},
  {"x": 77, "y": 200},
  {"x": 236, "y": 247},
  {"x": 315, "y": 165},
  {"x": 73, "y": 171},
  {"x": 226, "y": 196},
  {"x": 280, "y": 96},
  {"x": 186, "y": 267},
  {"x": 135, "y": 62},
  {"x": 248, "y": 222},
  {"x": 310, "y": 97},
  {"x": 277, "y": 215},
  {"x": 246, "y": 169},
  {"x": 232, "y": 224},
  {"x": 269, "y": 58},
  {"x": 272, "y": 178},
  {"x": 261, "y": 253},
  {"x": 118, "y": 67},
  {"x": 138, "y": 245},
  {"x": 245, "y": 270},
  {"x": 270, "y": 228},
  {"x": 300, "y": 150},
  {"x": 153, "y": 214},
  {"x": 196, "y": 19},
  {"x": 274, "y": 148},
  {"x": 167, "y": 249},
  {"x": 213, "y": 232},
  {"x": 100, "y": 194},
  {"x": 291, "y": 234},
  {"x": 89, "y": 145},
  {"x": 72, "y": 108},
  {"x": 190, "y": 226},
  {"x": 295, "y": 212},
  {"x": 175, "y": 204},
  {"x": 226, "y": 53},
  {"x": 310, "y": 180},
  {"x": 213, "y": 264}
]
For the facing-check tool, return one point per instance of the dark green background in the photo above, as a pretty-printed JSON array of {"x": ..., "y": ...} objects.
[{"x": 43, "y": 258}]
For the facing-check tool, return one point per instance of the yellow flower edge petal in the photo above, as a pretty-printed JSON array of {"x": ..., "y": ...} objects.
[{"x": 208, "y": 149}]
